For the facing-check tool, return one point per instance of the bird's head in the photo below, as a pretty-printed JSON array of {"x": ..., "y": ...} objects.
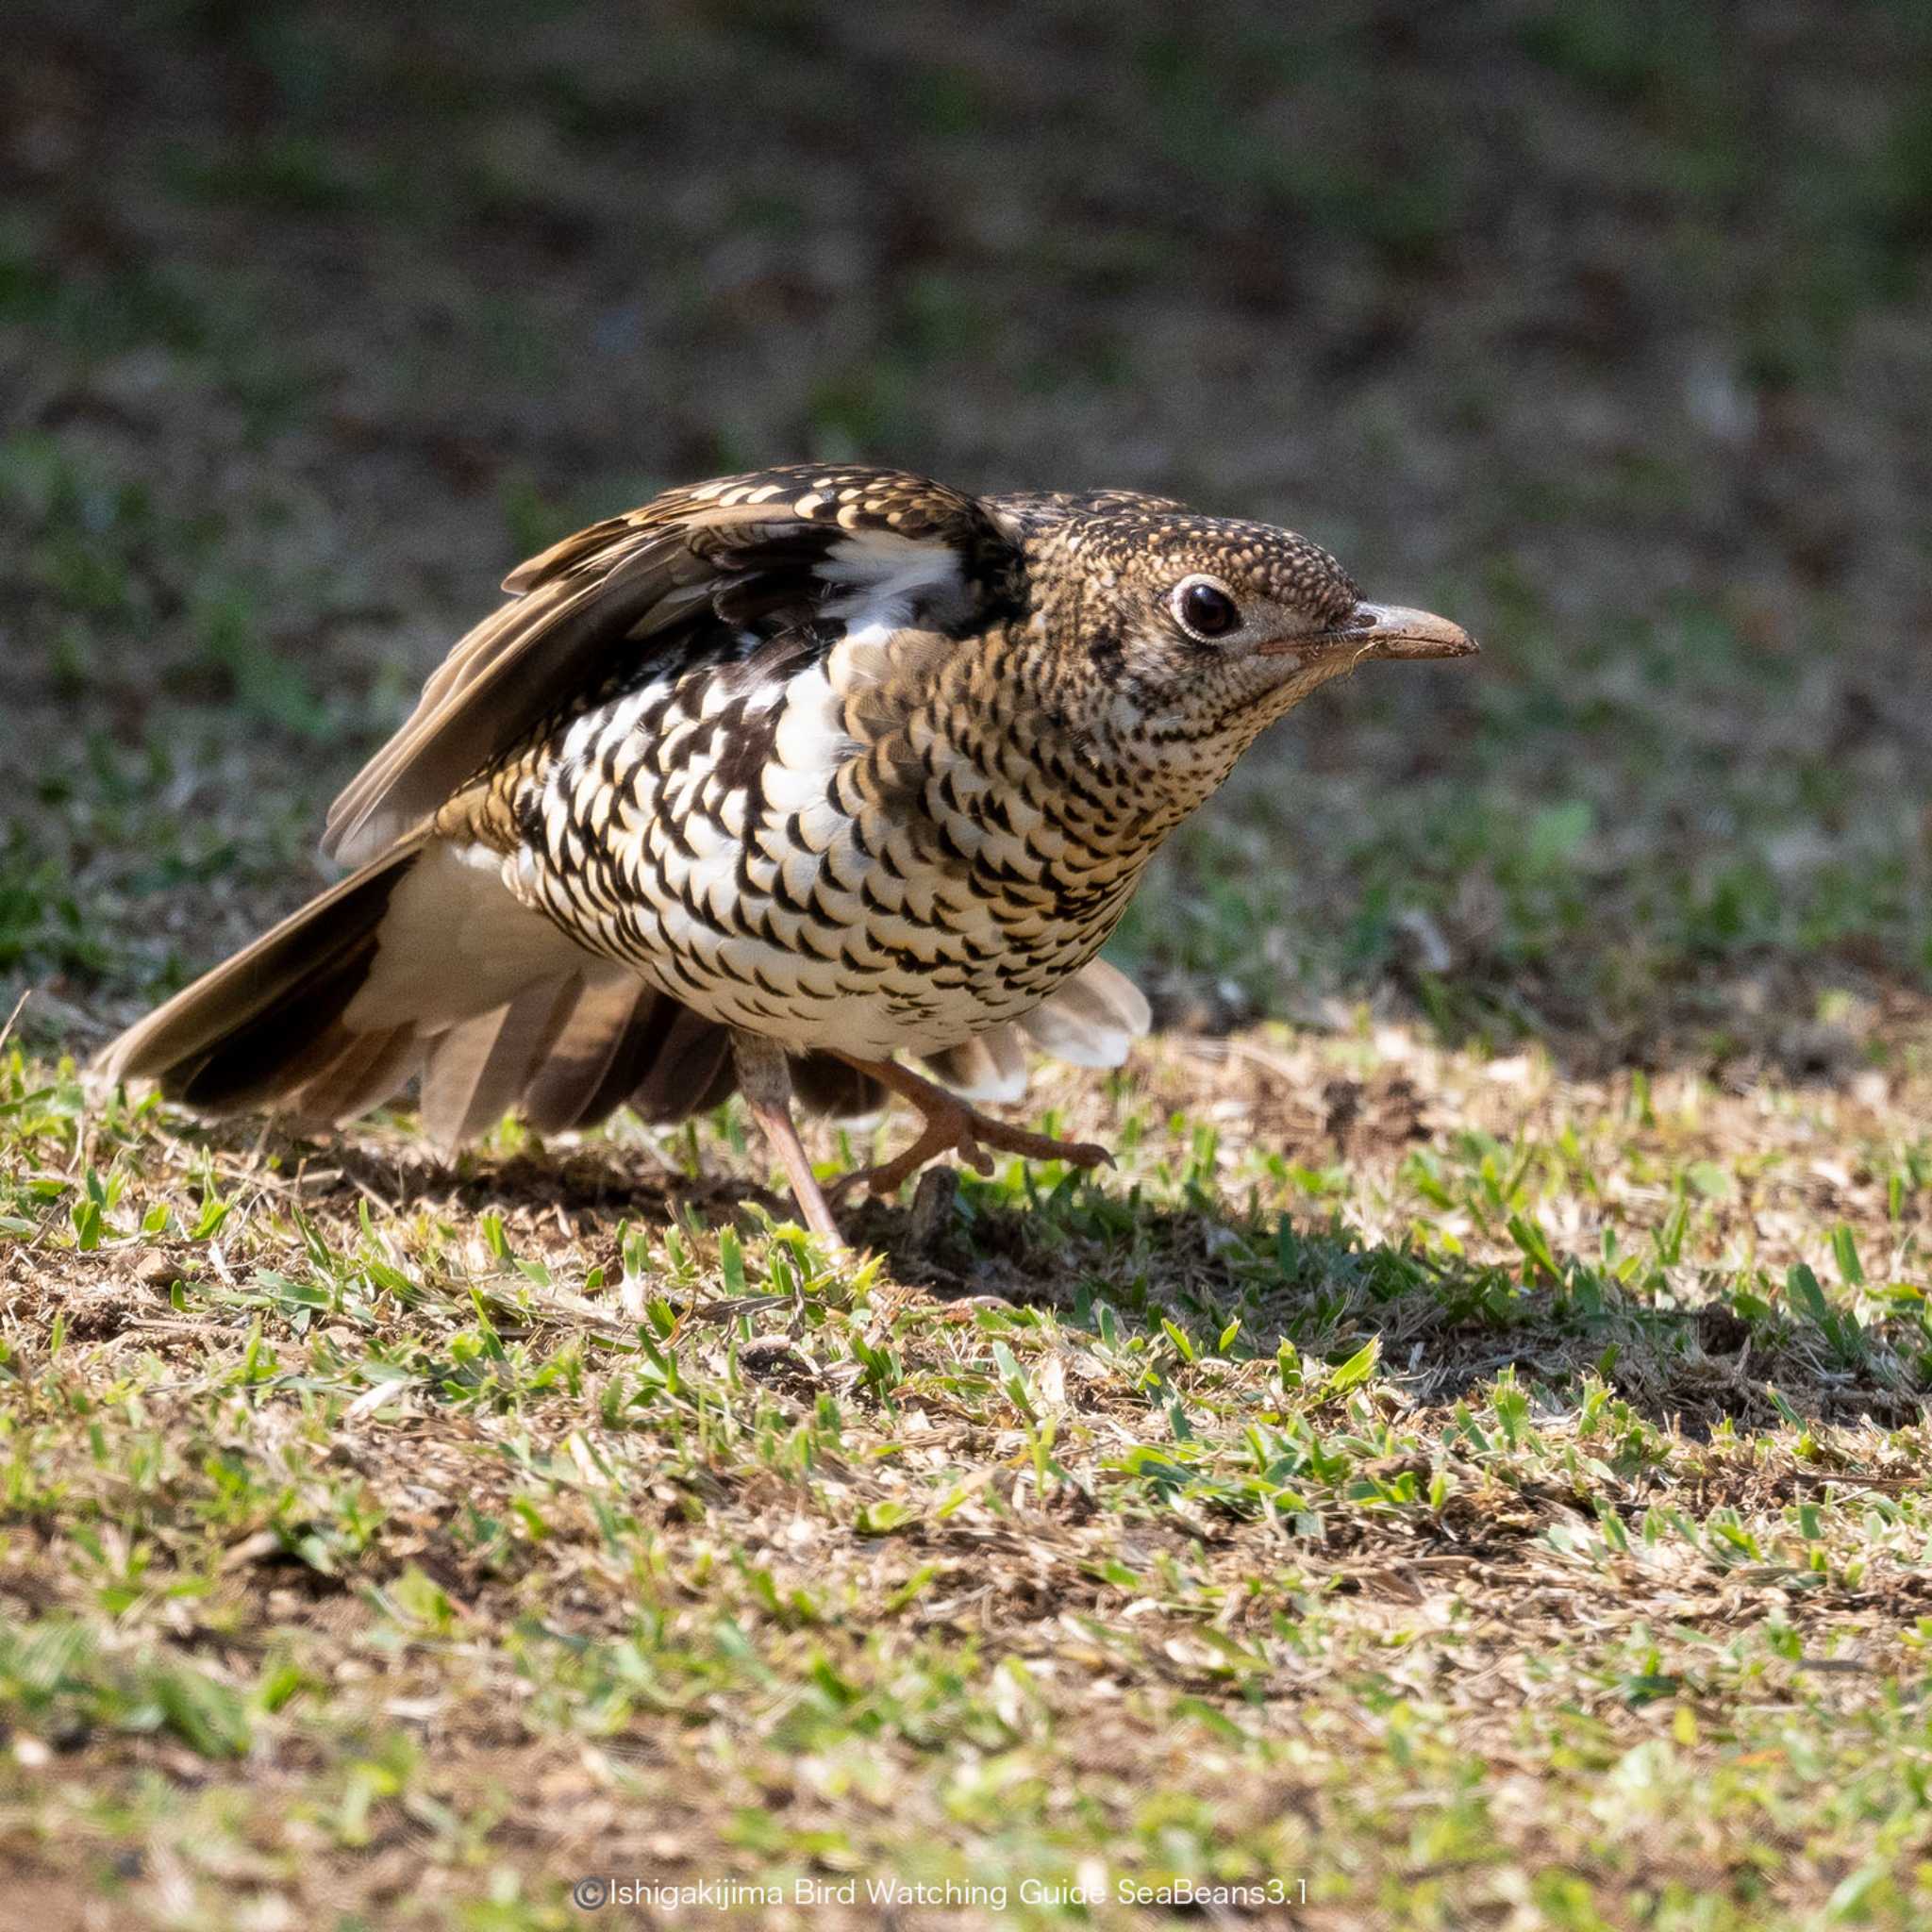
[{"x": 1181, "y": 637}]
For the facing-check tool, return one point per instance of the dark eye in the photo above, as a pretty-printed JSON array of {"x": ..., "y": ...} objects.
[{"x": 1204, "y": 610}]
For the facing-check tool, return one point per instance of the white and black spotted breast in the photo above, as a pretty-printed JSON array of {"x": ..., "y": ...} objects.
[
  {"x": 689, "y": 828},
  {"x": 802, "y": 839},
  {"x": 809, "y": 813}
]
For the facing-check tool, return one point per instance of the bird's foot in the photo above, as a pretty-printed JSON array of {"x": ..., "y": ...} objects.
[
  {"x": 954, "y": 1127},
  {"x": 766, "y": 1080}
]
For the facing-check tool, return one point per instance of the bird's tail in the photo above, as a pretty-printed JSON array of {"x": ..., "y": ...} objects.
[
  {"x": 423, "y": 966},
  {"x": 265, "y": 1028}
]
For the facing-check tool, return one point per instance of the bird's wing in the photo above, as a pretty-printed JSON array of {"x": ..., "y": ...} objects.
[
  {"x": 1028, "y": 510},
  {"x": 777, "y": 548}
]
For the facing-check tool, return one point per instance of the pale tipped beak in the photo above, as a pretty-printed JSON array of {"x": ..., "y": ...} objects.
[
  {"x": 1388, "y": 630},
  {"x": 1379, "y": 630}
]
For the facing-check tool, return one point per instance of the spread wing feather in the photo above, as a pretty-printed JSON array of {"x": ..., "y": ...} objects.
[
  {"x": 342, "y": 1005},
  {"x": 780, "y": 547}
]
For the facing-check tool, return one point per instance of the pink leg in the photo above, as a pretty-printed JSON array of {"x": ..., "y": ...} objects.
[
  {"x": 765, "y": 1080},
  {"x": 954, "y": 1127}
]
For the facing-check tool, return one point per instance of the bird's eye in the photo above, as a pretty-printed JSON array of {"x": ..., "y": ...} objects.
[{"x": 1204, "y": 609}]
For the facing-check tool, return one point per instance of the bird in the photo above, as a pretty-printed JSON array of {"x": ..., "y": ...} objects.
[{"x": 762, "y": 786}]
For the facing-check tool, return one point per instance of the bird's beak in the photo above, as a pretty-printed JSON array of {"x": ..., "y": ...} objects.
[
  {"x": 1394, "y": 632},
  {"x": 1388, "y": 630},
  {"x": 1383, "y": 630}
]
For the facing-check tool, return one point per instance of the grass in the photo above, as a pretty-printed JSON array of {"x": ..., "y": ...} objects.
[
  {"x": 1476, "y": 1478},
  {"x": 1466, "y": 1466}
]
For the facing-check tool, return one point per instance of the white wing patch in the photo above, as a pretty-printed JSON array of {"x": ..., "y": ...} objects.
[{"x": 878, "y": 575}]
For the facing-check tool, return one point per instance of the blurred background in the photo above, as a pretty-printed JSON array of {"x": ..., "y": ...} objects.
[{"x": 1606, "y": 328}]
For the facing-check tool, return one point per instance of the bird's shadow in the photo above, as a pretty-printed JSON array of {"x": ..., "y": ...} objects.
[
  {"x": 1234, "y": 1285},
  {"x": 589, "y": 1180}
]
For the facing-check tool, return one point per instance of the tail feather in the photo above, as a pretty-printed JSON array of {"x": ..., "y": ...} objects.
[
  {"x": 276, "y": 1059},
  {"x": 478, "y": 1071},
  {"x": 375, "y": 1067},
  {"x": 827, "y": 1085},
  {"x": 626, "y": 1044},
  {"x": 690, "y": 1071},
  {"x": 230, "y": 1041},
  {"x": 1092, "y": 1020},
  {"x": 589, "y": 1072}
]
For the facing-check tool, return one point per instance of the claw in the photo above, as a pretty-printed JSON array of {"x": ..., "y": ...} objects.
[{"x": 951, "y": 1126}]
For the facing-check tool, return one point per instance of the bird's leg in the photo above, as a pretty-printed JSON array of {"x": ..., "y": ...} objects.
[
  {"x": 765, "y": 1080},
  {"x": 954, "y": 1127}
]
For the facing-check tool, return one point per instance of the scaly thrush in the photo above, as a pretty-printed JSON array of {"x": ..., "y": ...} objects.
[{"x": 764, "y": 783}]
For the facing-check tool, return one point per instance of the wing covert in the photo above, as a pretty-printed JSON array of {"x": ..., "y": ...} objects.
[{"x": 776, "y": 548}]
